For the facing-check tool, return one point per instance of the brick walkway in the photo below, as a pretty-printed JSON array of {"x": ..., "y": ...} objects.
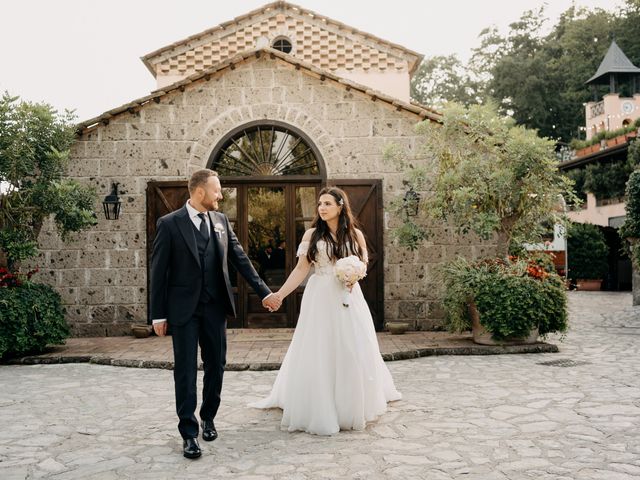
[{"x": 252, "y": 349}]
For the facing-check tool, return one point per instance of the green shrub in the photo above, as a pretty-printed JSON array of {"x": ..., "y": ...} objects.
[
  {"x": 633, "y": 154},
  {"x": 631, "y": 227},
  {"x": 31, "y": 316},
  {"x": 409, "y": 235},
  {"x": 577, "y": 144},
  {"x": 587, "y": 252},
  {"x": 607, "y": 180},
  {"x": 578, "y": 176},
  {"x": 512, "y": 297}
]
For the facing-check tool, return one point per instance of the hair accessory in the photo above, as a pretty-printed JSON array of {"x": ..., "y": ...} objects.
[{"x": 341, "y": 202}]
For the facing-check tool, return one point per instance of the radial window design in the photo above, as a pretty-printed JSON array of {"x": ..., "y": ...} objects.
[{"x": 265, "y": 150}]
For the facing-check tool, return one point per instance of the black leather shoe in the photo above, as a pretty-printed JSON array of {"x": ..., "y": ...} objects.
[
  {"x": 209, "y": 432},
  {"x": 190, "y": 448}
]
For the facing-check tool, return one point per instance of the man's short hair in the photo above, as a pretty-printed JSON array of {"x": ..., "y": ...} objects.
[{"x": 200, "y": 178}]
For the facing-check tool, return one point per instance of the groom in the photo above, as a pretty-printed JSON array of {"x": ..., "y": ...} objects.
[{"x": 191, "y": 291}]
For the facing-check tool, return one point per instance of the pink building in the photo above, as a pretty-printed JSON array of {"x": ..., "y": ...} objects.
[{"x": 618, "y": 109}]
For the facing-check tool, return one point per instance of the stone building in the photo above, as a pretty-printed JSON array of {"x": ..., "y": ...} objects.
[{"x": 280, "y": 101}]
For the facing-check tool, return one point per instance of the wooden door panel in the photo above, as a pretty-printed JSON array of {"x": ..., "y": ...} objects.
[
  {"x": 162, "y": 198},
  {"x": 366, "y": 204}
]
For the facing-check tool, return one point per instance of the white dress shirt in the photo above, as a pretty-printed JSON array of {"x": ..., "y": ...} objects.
[{"x": 193, "y": 215}]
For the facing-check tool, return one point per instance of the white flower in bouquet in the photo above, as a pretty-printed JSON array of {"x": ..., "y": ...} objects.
[{"x": 348, "y": 271}]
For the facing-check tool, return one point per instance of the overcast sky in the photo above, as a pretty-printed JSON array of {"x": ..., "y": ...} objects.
[{"x": 85, "y": 55}]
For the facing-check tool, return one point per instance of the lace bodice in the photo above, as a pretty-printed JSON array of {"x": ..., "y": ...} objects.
[{"x": 323, "y": 264}]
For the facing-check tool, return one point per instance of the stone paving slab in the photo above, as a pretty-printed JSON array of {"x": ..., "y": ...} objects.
[
  {"x": 572, "y": 415},
  {"x": 253, "y": 349}
]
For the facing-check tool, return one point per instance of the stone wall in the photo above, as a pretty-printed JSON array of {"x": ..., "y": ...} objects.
[{"x": 101, "y": 273}]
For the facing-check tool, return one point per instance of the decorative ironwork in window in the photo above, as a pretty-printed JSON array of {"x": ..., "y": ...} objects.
[
  {"x": 283, "y": 44},
  {"x": 597, "y": 109},
  {"x": 265, "y": 150}
]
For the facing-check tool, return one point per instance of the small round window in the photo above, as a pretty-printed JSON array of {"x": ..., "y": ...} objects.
[{"x": 283, "y": 44}]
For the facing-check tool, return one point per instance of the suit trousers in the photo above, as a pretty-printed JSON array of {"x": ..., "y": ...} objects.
[{"x": 206, "y": 327}]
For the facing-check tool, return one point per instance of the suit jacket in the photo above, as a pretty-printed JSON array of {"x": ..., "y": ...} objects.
[{"x": 176, "y": 280}]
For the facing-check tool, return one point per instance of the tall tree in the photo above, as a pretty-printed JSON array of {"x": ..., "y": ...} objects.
[
  {"x": 535, "y": 74},
  {"x": 34, "y": 148},
  {"x": 441, "y": 79},
  {"x": 490, "y": 176},
  {"x": 540, "y": 79},
  {"x": 627, "y": 30}
]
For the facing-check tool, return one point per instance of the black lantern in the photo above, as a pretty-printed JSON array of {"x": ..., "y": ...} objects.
[
  {"x": 111, "y": 203},
  {"x": 410, "y": 202}
]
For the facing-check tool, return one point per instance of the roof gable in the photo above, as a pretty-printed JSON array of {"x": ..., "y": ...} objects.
[
  {"x": 419, "y": 111},
  {"x": 316, "y": 39}
]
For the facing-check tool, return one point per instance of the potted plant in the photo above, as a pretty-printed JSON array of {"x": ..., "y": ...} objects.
[
  {"x": 587, "y": 253},
  {"x": 500, "y": 181},
  {"x": 503, "y": 302}
]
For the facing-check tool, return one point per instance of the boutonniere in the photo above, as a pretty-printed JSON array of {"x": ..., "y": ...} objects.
[{"x": 219, "y": 229}]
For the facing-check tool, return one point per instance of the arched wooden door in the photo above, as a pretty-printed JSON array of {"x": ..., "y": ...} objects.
[
  {"x": 276, "y": 212},
  {"x": 271, "y": 173}
]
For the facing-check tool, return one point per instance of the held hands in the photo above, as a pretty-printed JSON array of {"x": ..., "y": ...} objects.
[{"x": 272, "y": 302}]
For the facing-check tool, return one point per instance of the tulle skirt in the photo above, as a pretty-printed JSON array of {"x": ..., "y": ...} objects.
[{"x": 333, "y": 376}]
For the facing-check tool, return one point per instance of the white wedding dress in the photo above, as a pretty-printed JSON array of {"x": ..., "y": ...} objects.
[{"x": 333, "y": 376}]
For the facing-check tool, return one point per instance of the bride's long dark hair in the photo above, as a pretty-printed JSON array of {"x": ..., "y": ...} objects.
[{"x": 346, "y": 242}]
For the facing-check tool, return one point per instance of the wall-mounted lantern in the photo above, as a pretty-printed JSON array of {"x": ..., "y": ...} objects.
[
  {"x": 112, "y": 203},
  {"x": 411, "y": 202}
]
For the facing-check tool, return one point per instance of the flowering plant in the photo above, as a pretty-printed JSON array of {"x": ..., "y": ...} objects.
[
  {"x": 512, "y": 295},
  {"x": 14, "y": 279},
  {"x": 348, "y": 271}
]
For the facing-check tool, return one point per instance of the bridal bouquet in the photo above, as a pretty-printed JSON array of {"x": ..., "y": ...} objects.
[{"x": 349, "y": 270}]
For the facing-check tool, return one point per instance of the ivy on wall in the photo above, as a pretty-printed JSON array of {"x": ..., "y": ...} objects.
[{"x": 605, "y": 179}]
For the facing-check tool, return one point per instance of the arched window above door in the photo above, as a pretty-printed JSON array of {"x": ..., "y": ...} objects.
[{"x": 266, "y": 149}]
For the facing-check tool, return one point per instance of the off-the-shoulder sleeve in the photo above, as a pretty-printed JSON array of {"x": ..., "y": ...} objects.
[{"x": 303, "y": 248}]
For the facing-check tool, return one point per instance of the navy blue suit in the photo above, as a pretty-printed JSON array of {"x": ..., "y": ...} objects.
[{"x": 190, "y": 287}]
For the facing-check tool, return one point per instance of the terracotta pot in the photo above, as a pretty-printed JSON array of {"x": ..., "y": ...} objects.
[
  {"x": 589, "y": 285},
  {"x": 141, "y": 331},
  {"x": 583, "y": 151},
  {"x": 482, "y": 337},
  {"x": 397, "y": 328}
]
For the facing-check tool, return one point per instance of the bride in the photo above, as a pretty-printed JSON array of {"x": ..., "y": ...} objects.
[{"x": 333, "y": 376}]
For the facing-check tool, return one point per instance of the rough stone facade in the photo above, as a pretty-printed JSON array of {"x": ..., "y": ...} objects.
[{"x": 102, "y": 273}]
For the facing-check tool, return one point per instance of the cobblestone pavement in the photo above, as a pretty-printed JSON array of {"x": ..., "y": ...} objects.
[{"x": 568, "y": 415}]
